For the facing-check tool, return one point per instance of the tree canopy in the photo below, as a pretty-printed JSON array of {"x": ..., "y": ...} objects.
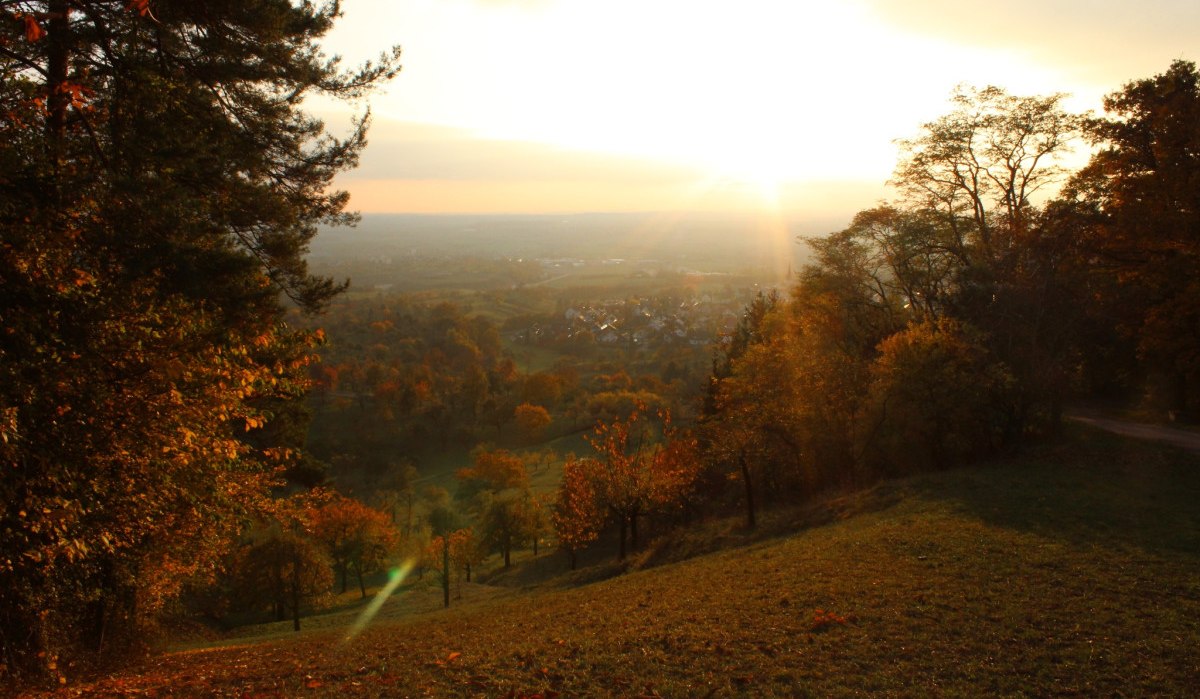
[
  {"x": 159, "y": 185},
  {"x": 1140, "y": 196}
]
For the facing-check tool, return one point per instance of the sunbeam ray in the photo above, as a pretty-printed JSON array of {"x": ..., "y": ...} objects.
[{"x": 395, "y": 577}]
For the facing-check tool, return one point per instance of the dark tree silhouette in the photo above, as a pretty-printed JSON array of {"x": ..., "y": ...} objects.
[{"x": 1143, "y": 191}]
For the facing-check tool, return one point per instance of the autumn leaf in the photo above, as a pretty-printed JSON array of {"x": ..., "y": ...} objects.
[
  {"x": 33, "y": 30},
  {"x": 142, "y": 7}
]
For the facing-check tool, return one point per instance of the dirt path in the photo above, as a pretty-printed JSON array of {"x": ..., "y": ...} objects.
[{"x": 1160, "y": 433}]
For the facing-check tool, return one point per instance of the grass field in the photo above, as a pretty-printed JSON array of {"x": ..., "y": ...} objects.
[{"x": 1072, "y": 570}]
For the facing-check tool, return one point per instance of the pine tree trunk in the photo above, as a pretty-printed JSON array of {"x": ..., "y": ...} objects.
[{"x": 57, "y": 65}]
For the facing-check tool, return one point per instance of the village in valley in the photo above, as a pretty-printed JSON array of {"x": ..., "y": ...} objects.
[{"x": 646, "y": 322}]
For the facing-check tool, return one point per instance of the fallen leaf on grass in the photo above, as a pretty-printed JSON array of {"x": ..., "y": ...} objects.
[{"x": 823, "y": 620}]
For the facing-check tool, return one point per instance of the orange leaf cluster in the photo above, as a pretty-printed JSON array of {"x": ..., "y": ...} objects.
[
  {"x": 464, "y": 550},
  {"x": 142, "y": 7},
  {"x": 33, "y": 30},
  {"x": 497, "y": 470}
]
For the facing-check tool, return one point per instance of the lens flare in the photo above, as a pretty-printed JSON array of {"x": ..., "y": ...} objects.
[{"x": 395, "y": 577}]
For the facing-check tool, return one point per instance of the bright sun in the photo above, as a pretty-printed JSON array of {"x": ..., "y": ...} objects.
[{"x": 723, "y": 89}]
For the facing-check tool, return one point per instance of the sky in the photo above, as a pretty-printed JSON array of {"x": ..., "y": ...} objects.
[{"x": 790, "y": 107}]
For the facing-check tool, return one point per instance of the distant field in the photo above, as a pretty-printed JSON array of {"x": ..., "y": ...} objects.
[
  {"x": 709, "y": 242},
  {"x": 1072, "y": 570},
  {"x": 615, "y": 254}
]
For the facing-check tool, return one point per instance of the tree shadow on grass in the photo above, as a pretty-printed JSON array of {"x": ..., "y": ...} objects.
[
  {"x": 669, "y": 543},
  {"x": 1091, "y": 488},
  {"x": 730, "y": 532}
]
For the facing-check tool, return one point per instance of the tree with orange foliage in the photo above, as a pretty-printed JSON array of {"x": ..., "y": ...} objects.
[
  {"x": 578, "y": 513},
  {"x": 506, "y": 521},
  {"x": 455, "y": 563},
  {"x": 443, "y": 522},
  {"x": 358, "y": 538},
  {"x": 496, "y": 492},
  {"x": 493, "y": 470},
  {"x": 532, "y": 421},
  {"x": 279, "y": 564},
  {"x": 644, "y": 468},
  {"x": 282, "y": 570},
  {"x": 537, "y": 515},
  {"x": 542, "y": 388}
]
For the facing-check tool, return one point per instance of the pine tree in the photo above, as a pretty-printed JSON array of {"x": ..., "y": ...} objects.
[{"x": 159, "y": 185}]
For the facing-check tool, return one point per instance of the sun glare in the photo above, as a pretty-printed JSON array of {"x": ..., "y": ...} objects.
[
  {"x": 732, "y": 91},
  {"x": 396, "y": 576},
  {"x": 757, "y": 168},
  {"x": 756, "y": 96}
]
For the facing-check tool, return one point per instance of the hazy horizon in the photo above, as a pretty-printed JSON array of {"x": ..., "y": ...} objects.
[
  {"x": 779, "y": 109},
  {"x": 703, "y": 242}
]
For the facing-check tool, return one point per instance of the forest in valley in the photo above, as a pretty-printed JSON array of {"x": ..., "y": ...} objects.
[{"x": 197, "y": 429}]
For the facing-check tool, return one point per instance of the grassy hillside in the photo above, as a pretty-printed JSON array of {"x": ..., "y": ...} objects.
[{"x": 1072, "y": 570}]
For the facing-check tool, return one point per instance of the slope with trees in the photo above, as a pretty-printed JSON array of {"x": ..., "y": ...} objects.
[
  {"x": 642, "y": 467},
  {"x": 956, "y": 320}
]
